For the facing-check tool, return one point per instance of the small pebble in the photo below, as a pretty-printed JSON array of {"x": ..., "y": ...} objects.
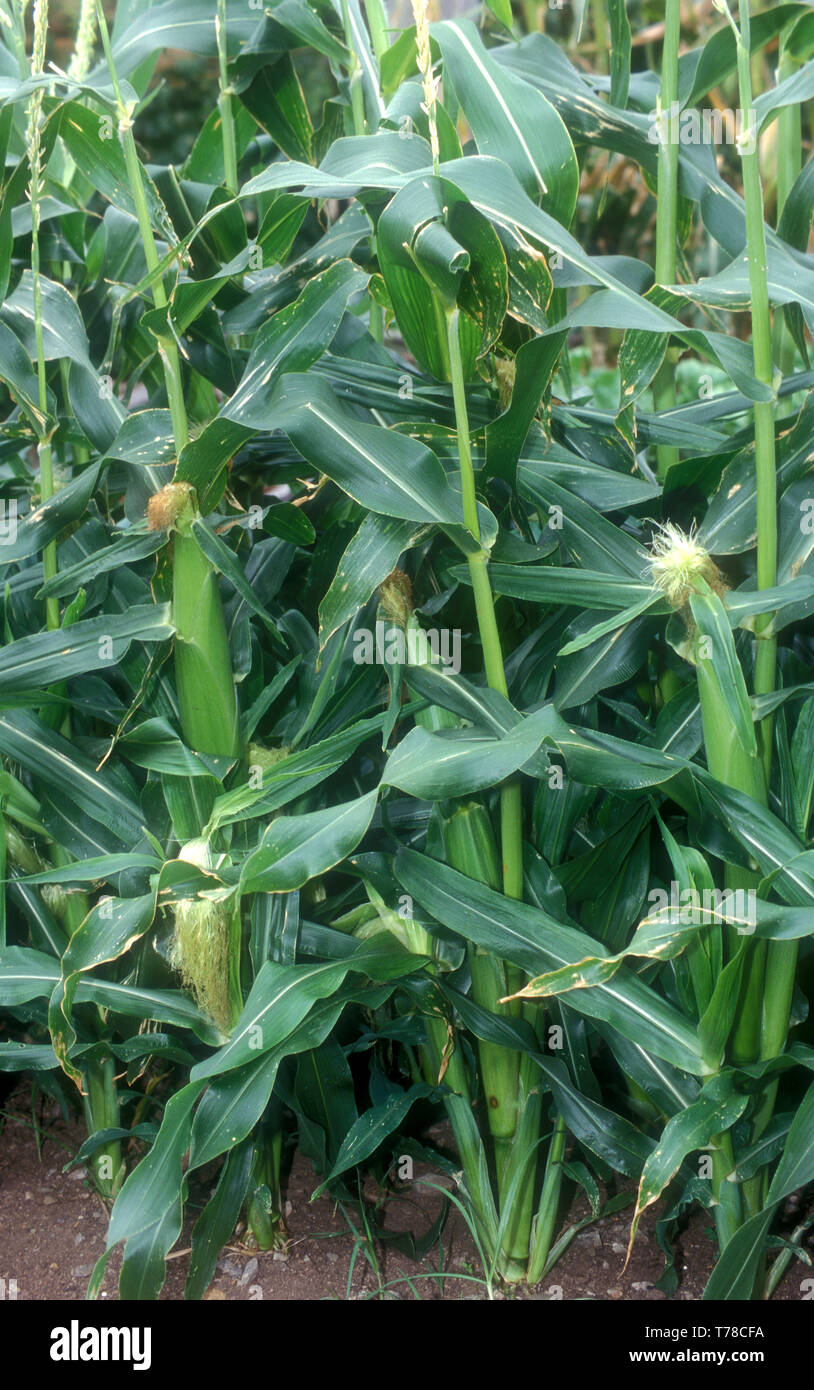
[
  {"x": 614, "y": 1293},
  {"x": 592, "y": 1238}
]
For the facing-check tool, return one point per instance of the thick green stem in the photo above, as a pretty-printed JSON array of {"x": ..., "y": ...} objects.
[
  {"x": 533, "y": 16},
  {"x": 168, "y": 349},
  {"x": 600, "y": 23},
  {"x": 227, "y": 119},
  {"x": 517, "y": 1196},
  {"x": 730, "y": 763},
  {"x": 781, "y": 956},
  {"x": 264, "y": 1209},
  {"x": 727, "y": 759},
  {"x": 100, "y": 1092},
  {"x": 667, "y": 206},
  {"x": 206, "y": 691},
  {"x": 49, "y": 554},
  {"x": 789, "y": 164},
  {"x": 511, "y": 804},
  {"x": 101, "y": 1104},
  {"x": 545, "y": 1223},
  {"x": 484, "y": 603},
  {"x": 470, "y": 848},
  {"x": 765, "y": 470},
  {"x": 34, "y": 140},
  {"x": 357, "y": 96},
  {"x": 378, "y": 24},
  {"x": 727, "y": 1197},
  {"x": 511, "y": 809},
  {"x": 464, "y": 1126}
]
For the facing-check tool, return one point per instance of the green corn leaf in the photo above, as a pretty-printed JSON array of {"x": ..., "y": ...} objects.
[
  {"x": 716, "y": 655},
  {"x": 294, "y": 339},
  {"x": 107, "y": 932},
  {"x": 734, "y": 1275},
  {"x": 374, "y": 1126},
  {"x": 530, "y": 938},
  {"x": 56, "y": 764},
  {"x": 606, "y": 1134},
  {"x": 436, "y": 250},
  {"x": 17, "y": 375},
  {"x": 92, "y": 144},
  {"x": 452, "y": 763},
  {"x": 128, "y": 550},
  {"x": 47, "y": 521},
  {"x": 148, "y": 1211},
  {"x": 179, "y": 24},
  {"x": 283, "y": 995},
  {"x": 592, "y": 540},
  {"x": 620, "y": 38},
  {"x": 575, "y": 587},
  {"x": 371, "y": 556},
  {"x": 91, "y": 645},
  {"x": 716, "y": 1110},
  {"x": 387, "y": 472},
  {"x": 510, "y": 121},
  {"x": 217, "y": 1221},
  {"x": 63, "y": 330},
  {"x": 295, "y": 849}
]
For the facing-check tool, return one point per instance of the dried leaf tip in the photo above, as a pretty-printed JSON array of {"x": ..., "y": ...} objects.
[{"x": 396, "y": 597}]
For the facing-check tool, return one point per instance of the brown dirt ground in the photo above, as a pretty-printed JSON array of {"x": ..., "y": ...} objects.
[{"x": 52, "y": 1230}]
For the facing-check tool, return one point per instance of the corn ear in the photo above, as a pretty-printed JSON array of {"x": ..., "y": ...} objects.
[
  {"x": 434, "y": 717},
  {"x": 206, "y": 947},
  {"x": 203, "y": 664},
  {"x": 732, "y": 757}
]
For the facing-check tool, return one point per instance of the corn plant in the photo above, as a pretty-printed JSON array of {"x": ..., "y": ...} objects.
[{"x": 376, "y": 682}]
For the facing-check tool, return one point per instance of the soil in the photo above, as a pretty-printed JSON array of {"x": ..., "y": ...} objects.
[{"x": 53, "y": 1224}]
